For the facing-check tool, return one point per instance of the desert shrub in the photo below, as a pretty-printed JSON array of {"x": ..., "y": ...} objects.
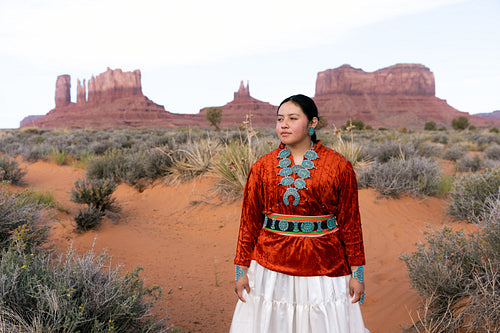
[
  {"x": 469, "y": 163},
  {"x": 36, "y": 153},
  {"x": 490, "y": 164},
  {"x": 483, "y": 138},
  {"x": 40, "y": 293},
  {"x": 494, "y": 130},
  {"x": 18, "y": 210},
  {"x": 111, "y": 165},
  {"x": 454, "y": 152},
  {"x": 440, "y": 138},
  {"x": 60, "y": 157},
  {"x": 88, "y": 218},
  {"x": 10, "y": 171},
  {"x": 470, "y": 193},
  {"x": 46, "y": 199},
  {"x": 493, "y": 151},
  {"x": 191, "y": 161},
  {"x": 460, "y": 123},
  {"x": 430, "y": 126},
  {"x": 384, "y": 151},
  {"x": 415, "y": 176},
  {"x": 458, "y": 277},
  {"x": 429, "y": 149},
  {"x": 95, "y": 193},
  {"x": 129, "y": 167}
]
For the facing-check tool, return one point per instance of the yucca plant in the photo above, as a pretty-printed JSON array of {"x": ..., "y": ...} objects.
[
  {"x": 191, "y": 161},
  {"x": 351, "y": 150},
  {"x": 235, "y": 160}
]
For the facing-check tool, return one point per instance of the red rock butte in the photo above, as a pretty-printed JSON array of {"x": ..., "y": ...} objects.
[
  {"x": 234, "y": 112},
  {"x": 402, "y": 95}
]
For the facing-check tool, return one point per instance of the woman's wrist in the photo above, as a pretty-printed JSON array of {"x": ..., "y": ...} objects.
[
  {"x": 239, "y": 271},
  {"x": 358, "y": 273}
]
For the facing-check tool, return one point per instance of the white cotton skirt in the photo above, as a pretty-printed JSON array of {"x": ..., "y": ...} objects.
[{"x": 280, "y": 303}]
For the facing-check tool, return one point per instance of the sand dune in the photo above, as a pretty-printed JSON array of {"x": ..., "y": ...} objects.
[{"x": 184, "y": 238}]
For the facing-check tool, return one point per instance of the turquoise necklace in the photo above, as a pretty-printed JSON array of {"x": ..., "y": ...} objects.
[{"x": 302, "y": 170}]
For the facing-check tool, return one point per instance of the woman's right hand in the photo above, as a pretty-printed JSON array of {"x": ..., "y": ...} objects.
[{"x": 241, "y": 284}]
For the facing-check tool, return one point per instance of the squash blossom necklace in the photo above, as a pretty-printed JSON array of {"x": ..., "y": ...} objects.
[{"x": 302, "y": 170}]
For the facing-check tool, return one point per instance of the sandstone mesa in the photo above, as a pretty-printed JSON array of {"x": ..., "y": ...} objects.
[{"x": 402, "y": 95}]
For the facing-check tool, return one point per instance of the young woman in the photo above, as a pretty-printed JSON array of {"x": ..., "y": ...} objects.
[{"x": 300, "y": 256}]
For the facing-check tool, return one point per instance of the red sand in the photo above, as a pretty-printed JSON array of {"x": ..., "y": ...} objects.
[{"x": 185, "y": 241}]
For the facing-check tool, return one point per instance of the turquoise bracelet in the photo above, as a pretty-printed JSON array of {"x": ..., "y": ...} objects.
[
  {"x": 359, "y": 274},
  {"x": 238, "y": 272}
]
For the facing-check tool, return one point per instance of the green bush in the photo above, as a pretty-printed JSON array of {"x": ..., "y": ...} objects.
[
  {"x": 60, "y": 157},
  {"x": 95, "y": 193},
  {"x": 458, "y": 278},
  {"x": 415, "y": 176},
  {"x": 494, "y": 130},
  {"x": 470, "y": 193},
  {"x": 430, "y": 126},
  {"x": 40, "y": 293},
  {"x": 10, "y": 171},
  {"x": 460, "y": 123}
]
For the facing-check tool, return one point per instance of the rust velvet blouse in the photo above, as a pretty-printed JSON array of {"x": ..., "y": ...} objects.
[{"x": 331, "y": 189}]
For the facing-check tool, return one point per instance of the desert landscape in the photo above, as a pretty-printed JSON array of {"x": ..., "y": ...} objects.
[
  {"x": 185, "y": 238},
  {"x": 176, "y": 223}
]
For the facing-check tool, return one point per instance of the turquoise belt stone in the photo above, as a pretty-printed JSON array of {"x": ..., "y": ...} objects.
[{"x": 300, "y": 225}]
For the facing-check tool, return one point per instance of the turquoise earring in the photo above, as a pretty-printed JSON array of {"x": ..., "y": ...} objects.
[{"x": 311, "y": 131}]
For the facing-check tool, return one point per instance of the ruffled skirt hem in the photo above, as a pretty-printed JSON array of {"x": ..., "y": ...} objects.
[{"x": 282, "y": 303}]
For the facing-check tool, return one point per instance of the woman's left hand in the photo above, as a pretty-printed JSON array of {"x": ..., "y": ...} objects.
[{"x": 356, "y": 290}]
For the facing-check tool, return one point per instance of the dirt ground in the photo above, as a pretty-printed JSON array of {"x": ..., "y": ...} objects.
[{"x": 185, "y": 239}]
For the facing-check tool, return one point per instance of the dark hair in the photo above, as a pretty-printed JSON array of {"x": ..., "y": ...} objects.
[{"x": 308, "y": 107}]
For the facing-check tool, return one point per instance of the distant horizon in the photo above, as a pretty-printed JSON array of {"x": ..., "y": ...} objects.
[{"x": 74, "y": 89}]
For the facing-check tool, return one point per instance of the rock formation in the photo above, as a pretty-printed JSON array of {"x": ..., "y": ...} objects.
[
  {"x": 114, "y": 84},
  {"x": 63, "y": 91},
  {"x": 113, "y": 99},
  {"x": 81, "y": 92},
  {"x": 400, "y": 79},
  {"x": 402, "y": 95},
  {"x": 491, "y": 115},
  {"x": 234, "y": 112}
]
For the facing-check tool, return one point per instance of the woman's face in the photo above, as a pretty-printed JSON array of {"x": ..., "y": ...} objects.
[{"x": 292, "y": 125}]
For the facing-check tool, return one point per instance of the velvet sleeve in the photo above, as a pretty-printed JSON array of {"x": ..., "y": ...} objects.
[
  {"x": 252, "y": 217},
  {"x": 349, "y": 217}
]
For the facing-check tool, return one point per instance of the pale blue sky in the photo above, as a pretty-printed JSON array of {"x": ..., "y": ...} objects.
[{"x": 194, "y": 53}]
